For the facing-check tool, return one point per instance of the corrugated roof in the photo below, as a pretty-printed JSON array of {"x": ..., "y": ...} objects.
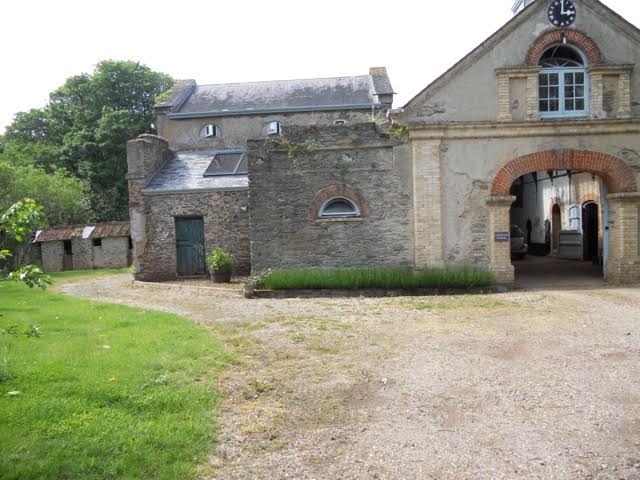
[
  {"x": 61, "y": 232},
  {"x": 185, "y": 173},
  {"x": 111, "y": 229},
  {"x": 92, "y": 230},
  {"x": 281, "y": 95}
]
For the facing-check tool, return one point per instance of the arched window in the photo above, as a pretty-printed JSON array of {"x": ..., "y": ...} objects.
[
  {"x": 209, "y": 131},
  {"x": 273, "y": 128},
  {"x": 339, "y": 208},
  {"x": 563, "y": 82}
]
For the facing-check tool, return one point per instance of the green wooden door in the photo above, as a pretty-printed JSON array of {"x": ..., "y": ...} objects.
[{"x": 190, "y": 246}]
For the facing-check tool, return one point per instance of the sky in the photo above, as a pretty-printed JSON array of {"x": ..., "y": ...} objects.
[{"x": 45, "y": 42}]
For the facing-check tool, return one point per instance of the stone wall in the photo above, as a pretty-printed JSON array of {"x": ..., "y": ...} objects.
[
  {"x": 82, "y": 250},
  {"x": 52, "y": 254},
  {"x": 226, "y": 224},
  {"x": 115, "y": 252},
  {"x": 287, "y": 174},
  {"x": 233, "y": 131}
]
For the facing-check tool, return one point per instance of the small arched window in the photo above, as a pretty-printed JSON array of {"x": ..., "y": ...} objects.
[
  {"x": 209, "y": 131},
  {"x": 339, "y": 208},
  {"x": 273, "y": 128},
  {"x": 563, "y": 82}
]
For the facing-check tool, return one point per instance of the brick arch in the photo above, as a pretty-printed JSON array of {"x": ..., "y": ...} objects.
[
  {"x": 573, "y": 37},
  {"x": 337, "y": 190},
  {"x": 616, "y": 174}
]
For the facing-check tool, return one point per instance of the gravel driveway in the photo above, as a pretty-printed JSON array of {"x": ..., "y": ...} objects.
[{"x": 541, "y": 385}]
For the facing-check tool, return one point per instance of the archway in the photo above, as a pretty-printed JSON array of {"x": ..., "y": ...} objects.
[{"x": 619, "y": 189}]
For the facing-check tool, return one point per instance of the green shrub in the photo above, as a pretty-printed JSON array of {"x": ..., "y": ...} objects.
[
  {"x": 357, "y": 278},
  {"x": 219, "y": 260}
]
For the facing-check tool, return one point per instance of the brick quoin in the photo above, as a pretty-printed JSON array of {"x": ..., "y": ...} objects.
[
  {"x": 333, "y": 191},
  {"x": 573, "y": 37},
  {"x": 616, "y": 174}
]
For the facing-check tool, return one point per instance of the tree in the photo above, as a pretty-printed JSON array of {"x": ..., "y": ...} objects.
[
  {"x": 64, "y": 198},
  {"x": 16, "y": 225},
  {"x": 85, "y": 127}
]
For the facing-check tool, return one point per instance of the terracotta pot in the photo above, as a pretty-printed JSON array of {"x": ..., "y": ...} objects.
[{"x": 223, "y": 276}]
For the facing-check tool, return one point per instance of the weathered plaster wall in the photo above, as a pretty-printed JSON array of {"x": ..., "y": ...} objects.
[
  {"x": 233, "y": 131},
  {"x": 470, "y": 165},
  {"x": 282, "y": 188},
  {"x": 52, "y": 254},
  {"x": 473, "y": 94},
  {"x": 226, "y": 224}
]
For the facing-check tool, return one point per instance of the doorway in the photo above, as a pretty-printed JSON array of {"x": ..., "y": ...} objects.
[
  {"x": 556, "y": 226},
  {"x": 67, "y": 258},
  {"x": 190, "y": 246},
  {"x": 590, "y": 231}
]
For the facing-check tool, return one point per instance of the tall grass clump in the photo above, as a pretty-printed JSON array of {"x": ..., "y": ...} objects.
[{"x": 369, "y": 277}]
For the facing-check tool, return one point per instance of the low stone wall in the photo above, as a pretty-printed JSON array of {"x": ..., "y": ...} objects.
[{"x": 288, "y": 174}]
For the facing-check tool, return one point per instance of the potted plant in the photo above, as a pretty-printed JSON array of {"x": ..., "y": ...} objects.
[{"x": 219, "y": 263}]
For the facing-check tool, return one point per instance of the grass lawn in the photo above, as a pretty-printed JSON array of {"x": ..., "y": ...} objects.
[{"x": 105, "y": 391}]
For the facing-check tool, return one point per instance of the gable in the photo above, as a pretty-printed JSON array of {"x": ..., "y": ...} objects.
[{"x": 468, "y": 91}]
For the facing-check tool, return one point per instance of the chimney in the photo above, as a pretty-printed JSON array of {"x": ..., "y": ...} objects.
[
  {"x": 382, "y": 86},
  {"x": 378, "y": 71}
]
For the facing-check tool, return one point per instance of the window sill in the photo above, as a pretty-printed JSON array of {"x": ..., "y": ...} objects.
[
  {"x": 332, "y": 220},
  {"x": 563, "y": 116}
]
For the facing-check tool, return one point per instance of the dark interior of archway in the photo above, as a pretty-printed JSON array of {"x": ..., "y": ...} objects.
[{"x": 556, "y": 226}]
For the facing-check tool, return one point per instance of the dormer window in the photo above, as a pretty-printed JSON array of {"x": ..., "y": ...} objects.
[
  {"x": 339, "y": 121},
  {"x": 562, "y": 82},
  {"x": 273, "y": 128},
  {"x": 209, "y": 131}
]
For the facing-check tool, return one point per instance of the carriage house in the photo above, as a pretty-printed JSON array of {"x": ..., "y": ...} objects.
[{"x": 534, "y": 133}]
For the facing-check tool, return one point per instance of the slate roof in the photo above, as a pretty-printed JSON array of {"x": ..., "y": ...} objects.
[
  {"x": 315, "y": 94},
  {"x": 93, "y": 230},
  {"x": 184, "y": 173}
]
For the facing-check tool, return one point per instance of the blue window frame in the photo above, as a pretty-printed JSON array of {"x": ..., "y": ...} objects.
[{"x": 563, "y": 89}]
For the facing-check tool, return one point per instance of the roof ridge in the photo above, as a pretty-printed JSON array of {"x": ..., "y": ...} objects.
[{"x": 284, "y": 80}]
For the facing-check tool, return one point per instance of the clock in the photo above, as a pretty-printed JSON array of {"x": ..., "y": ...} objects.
[{"x": 562, "y": 13}]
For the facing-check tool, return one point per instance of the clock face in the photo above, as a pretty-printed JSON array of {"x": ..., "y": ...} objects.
[{"x": 562, "y": 13}]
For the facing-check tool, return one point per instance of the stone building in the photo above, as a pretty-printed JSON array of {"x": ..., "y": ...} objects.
[
  {"x": 188, "y": 186},
  {"x": 536, "y": 127},
  {"x": 555, "y": 90},
  {"x": 84, "y": 247},
  {"x": 548, "y": 107}
]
